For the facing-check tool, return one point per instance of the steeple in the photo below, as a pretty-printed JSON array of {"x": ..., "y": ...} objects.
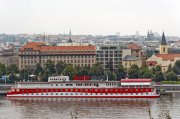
[
  {"x": 163, "y": 46},
  {"x": 163, "y": 42}
]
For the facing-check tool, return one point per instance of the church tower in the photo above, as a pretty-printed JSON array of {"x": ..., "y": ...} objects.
[{"x": 163, "y": 46}]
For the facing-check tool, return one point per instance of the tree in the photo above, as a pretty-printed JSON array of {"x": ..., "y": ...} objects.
[
  {"x": 176, "y": 67},
  {"x": 50, "y": 67},
  {"x": 84, "y": 71},
  {"x": 12, "y": 69},
  {"x": 3, "y": 69},
  {"x": 69, "y": 71},
  {"x": 111, "y": 75},
  {"x": 96, "y": 70},
  {"x": 157, "y": 68},
  {"x": 171, "y": 76},
  {"x": 133, "y": 72},
  {"x": 60, "y": 67},
  {"x": 158, "y": 76},
  {"x": 145, "y": 72},
  {"x": 169, "y": 69},
  {"x": 24, "y": 74},
  {"x": 38, "y": 69},
  {"x": 121, "y": 72}
]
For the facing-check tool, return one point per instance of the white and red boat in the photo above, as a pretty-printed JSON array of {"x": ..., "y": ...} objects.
[{"x": 62, "y": 87}]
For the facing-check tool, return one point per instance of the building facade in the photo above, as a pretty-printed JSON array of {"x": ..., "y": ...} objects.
[
  {"x": 110, "y": 56},
  {"x": 163, "y": 59},
  {"x": 130, "y": 60},
  {"x": 37, "y": 52}
]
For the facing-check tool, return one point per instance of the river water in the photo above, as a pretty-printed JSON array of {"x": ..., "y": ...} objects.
[{"x": 90, "y": 108}]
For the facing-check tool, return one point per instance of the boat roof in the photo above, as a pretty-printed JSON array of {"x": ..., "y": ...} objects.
[{"x": 136, "y": 80}]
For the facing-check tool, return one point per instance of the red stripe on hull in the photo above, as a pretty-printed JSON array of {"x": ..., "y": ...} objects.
[{"x": 83, "y": 96}]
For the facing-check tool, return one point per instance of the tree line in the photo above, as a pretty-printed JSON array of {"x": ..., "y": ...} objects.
[{"x": 61, "y": 68}]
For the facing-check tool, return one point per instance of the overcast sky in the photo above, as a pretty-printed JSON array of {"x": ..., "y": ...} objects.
[{"x": 94, "y": 17}]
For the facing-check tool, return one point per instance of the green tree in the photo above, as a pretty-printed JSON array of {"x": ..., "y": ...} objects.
[
  {"x": 24, "y": 74},
  {"x": 158, "y": 76},
  {"x": 96, "y": 70},
  {"x": 60, "y": 66},
  {"x": 69, "y": 71},
  {"x": 171, "y": 76},
  {"x": 169, "y": 69},
  {"x": 84, "y": 71},
  {"x": 121, "y": 72},
  {"x": 157, "y": 68},
  {"x": 145, "y": 72},
  {"x": 12, "y": 69},
  {"x": 133, "y": 72},
  {"x": 38, "y": 69},
  {"x": 3, "y": 69},
  {"x": 50, "y": 67},
  {"x": 111, "y": 75},
  {"x": 176, "y": 67}
]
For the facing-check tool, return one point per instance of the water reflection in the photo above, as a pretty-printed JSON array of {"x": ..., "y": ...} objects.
[
  {"x": 83, "y": 108},
  {"x": 57, "y": 108}
]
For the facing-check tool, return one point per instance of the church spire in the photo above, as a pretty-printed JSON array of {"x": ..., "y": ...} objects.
[
  {"x": 163, "y": 46},
  {"x": 163, "y": 42}
]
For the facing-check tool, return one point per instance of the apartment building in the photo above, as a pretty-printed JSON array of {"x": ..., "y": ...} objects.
[
  {"x": 110, "y": 56},
  {"x": 37, "y": 52}
]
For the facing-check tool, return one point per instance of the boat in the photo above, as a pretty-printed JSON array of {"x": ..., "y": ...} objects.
[{"x": 62, "y": 87}]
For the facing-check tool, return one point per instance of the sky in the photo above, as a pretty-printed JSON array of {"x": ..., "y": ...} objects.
[{"x": 94, "y": 17}]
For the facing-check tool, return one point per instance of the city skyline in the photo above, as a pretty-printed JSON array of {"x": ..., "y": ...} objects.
[{"x": 102, "y": 17}]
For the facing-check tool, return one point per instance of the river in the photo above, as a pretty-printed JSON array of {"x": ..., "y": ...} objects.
[{"x": 89, "y": 108}]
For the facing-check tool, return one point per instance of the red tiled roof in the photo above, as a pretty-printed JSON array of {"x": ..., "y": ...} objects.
[
  {"x": 167, "y": 56},
  {"x": 43, "y": 47},
  {"x": 134, "y": 46}
]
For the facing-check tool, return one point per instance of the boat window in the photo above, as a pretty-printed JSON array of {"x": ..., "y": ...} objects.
[
  {"x": 51, "y": 84},
  {"x": 56, "y": 93},
  {"x": 56, "y": 84}
]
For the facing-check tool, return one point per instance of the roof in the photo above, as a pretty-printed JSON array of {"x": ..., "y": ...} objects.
[
  {"x": 163, "y": 42},
  {"x": 134, "y": 46},
  {"x": 135, "y": 80},
  {"x": 43, "y": 47},
  {"x": 168, "y": 56},
  {"x": 151, "y": 63},
  {"x": 130, "y": 58}
]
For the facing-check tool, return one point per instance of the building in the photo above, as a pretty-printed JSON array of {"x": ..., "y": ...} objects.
[
  {"x": 136, "y": 50},
  {"x": 110, "y": 56},
  {"x": 130, "y": 60},
  {"x": 8, "y": 55},
  {"x": 37, "y": 52},
  {"x": 164, "y": 59}
]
